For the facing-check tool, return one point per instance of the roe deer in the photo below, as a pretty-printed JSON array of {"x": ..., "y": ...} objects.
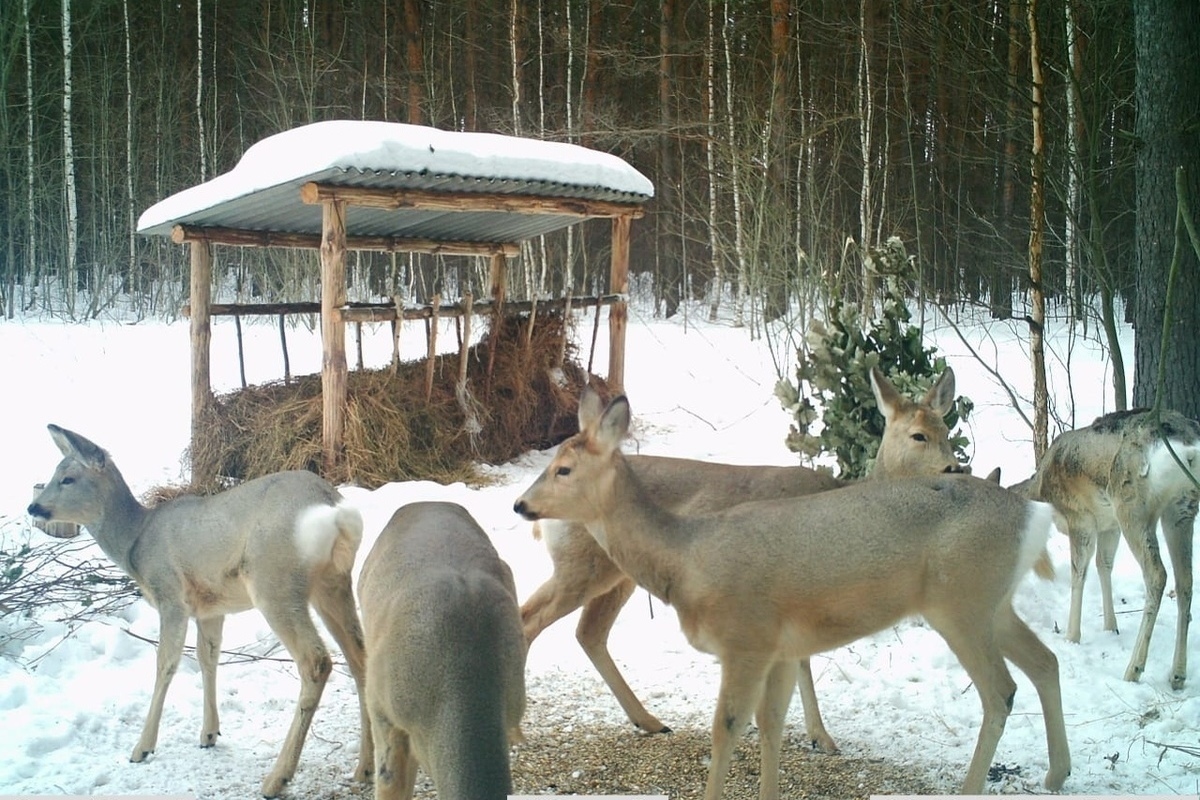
[
  {"x": 762, "y": 585},
  {"x": 275, "y": 543},
  {"x": 445, "y": 655},
  {"x": 1117, "y": 477},
  {"x": 915, "y": 442}
]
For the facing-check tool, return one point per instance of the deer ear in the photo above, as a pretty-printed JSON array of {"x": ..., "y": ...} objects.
[
  {"x": 614, "y": 423},
  {"x": 886, "y": 396},
  {"x": 83, "y": 450},
  {"x": 941, "y": 396},
  {"x": 590, "y": 408}
]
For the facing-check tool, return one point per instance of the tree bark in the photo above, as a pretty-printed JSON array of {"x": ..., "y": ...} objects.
[
  {"x": 1037, "y": 224},
  {"x": 68, "y": 141},
  {"x": 1167, "y": 92}
]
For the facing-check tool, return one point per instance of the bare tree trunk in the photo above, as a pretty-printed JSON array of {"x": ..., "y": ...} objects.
[
  {"x": 1008, "y": 181},
  {"x": 414, "y": 53},
  {"x": 515, "y": 53},
  {"x": 1074, "y": 162},
  {"x": 200, "y": 90},
  {"x": 32, "y": 270},
  {"x": 866, "y": 115},
  {"x": 72, "y": 278},
  {"x": 739, "y": 240},
  {"x": 131, "y": 207},
  {"x": 1037, "y": 205},
  {"x": 710, "y": 121},
  {"x": 472, "y": 97}
]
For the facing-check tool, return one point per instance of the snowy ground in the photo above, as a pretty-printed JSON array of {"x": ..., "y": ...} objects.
[{"x": 72, "y": 702}]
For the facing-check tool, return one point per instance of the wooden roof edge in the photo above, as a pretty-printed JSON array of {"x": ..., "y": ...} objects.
[
  {"x": 396, "y": 199},
  {"x": 238, "y": 237}
]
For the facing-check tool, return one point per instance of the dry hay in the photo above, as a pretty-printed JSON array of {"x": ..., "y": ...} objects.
[{"x": 520, "y": 399}]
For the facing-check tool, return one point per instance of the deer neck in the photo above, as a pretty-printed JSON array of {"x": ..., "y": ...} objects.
[
  {"x": 120, "y": 524},
  {"x": 646, "y": 540}
]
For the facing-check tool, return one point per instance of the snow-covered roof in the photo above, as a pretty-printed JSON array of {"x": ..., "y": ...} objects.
[{"x": 262, "y": 192}]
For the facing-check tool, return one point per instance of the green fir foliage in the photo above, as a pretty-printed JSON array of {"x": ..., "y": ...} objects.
[{"x": 833, "y": 384}]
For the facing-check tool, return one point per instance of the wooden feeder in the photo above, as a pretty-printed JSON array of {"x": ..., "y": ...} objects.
[{"x": 360, "y": 185}]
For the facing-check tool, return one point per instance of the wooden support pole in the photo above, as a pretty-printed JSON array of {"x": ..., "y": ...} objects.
[
  {"x": 464, "y": 346},
  {"x": 333, "y": 332},
  {"x": 201, "y": 335},
  {"x": 618, "y": 313},
  {"x": 498, "y": 283},
  {"x": 431, "y": 353}
]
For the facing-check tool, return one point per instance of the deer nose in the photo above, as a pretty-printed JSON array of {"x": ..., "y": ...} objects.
[
  {"x": 36, "y": 510},
  {"x": 522, "y": 508}
]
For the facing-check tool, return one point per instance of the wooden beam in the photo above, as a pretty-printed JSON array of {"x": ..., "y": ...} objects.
[
  {"x": 237, "y": 237},
  {"x": 333, "y": 333},
  {"x": 383, "y": 312},
  {"x": 203, "y": 472},
  {"x": 313, "y": 193},
  {"x": 618, "y": 313}
]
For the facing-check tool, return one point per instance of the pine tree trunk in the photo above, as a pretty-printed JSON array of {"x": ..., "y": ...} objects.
[{"x": 1167, "y": 92}]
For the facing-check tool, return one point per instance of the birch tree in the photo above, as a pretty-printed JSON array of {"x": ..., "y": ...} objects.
[
  {"x": 68, "y": 142},
  {"x": 1037, "y": 222}
]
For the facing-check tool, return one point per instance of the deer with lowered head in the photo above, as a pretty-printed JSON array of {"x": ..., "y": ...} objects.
[
  {"x": 275, "y": 543},
  {"x": 445, "y": 655},
  {"x": 1115, "y": 478},
  {"x": 764, "y": 584},
  {"x": 915, "y": 442}
]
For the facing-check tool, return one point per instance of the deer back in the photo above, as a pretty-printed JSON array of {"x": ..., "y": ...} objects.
[
  {"x": 1119, "y": 457},
  {"x": 445, "y": 649},
  {"x": 691, "y": 486}
]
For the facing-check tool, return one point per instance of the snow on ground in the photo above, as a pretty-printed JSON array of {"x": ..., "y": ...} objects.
[{"x": 72, "y": 702}]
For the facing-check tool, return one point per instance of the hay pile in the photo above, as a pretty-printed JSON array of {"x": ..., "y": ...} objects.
[{"x": 526, "y": 401}]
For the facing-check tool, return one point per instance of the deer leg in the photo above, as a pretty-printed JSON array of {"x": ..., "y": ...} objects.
[
  {"x": 772, "y": 709},
  {"x": 172, "y": 630},
  {"x": 814, "y": 726},
  {"x": 582, "y": 572},
  {"x": 1141, "y": 533},
  {"x": 599, "y": 614},
  {"x": 1022, "y": 646},
  {"x": 395, "y": 767},
  {"x": 1083, "y": 544},
  {"x": 972, "y": 640},
  {"x": 1106, "y": 554},
  {"x": 208, "y": 651},
  {"x": 1178, "y": 531},
  {"x": 334, "y": 601},
  {"x": 742, "y": 682},
  {"x": 294, "y": 627}
]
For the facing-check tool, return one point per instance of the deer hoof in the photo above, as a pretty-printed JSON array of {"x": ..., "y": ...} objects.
[{"x": 273, "y": 786}]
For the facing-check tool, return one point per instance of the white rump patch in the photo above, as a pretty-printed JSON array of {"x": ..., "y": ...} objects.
[
  {"x": 319, "y": 527},
  {"x": 1162, "y": 470},
  {"x": 1039, "y": 522}
]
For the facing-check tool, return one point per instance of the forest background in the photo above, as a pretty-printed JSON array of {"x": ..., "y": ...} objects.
[{"x": 1020, "y": 149}]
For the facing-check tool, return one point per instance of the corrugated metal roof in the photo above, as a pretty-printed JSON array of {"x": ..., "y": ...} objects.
[{"x": 277, "y": 206}]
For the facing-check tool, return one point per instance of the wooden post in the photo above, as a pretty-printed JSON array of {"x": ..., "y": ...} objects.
[
  {"x": 333, "y": 331},
  {"x": 618, "y": 312},
  {"x": 499, "y": 287},
  {"x": 431, "y": 352},
  {"x": 203, "y": 472}
]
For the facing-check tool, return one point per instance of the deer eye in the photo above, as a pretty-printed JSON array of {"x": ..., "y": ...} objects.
[
  {"x": 562, "y": 472},
  {"x": 67, "y": 481},
  {"x": 919, "y": 437}
]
